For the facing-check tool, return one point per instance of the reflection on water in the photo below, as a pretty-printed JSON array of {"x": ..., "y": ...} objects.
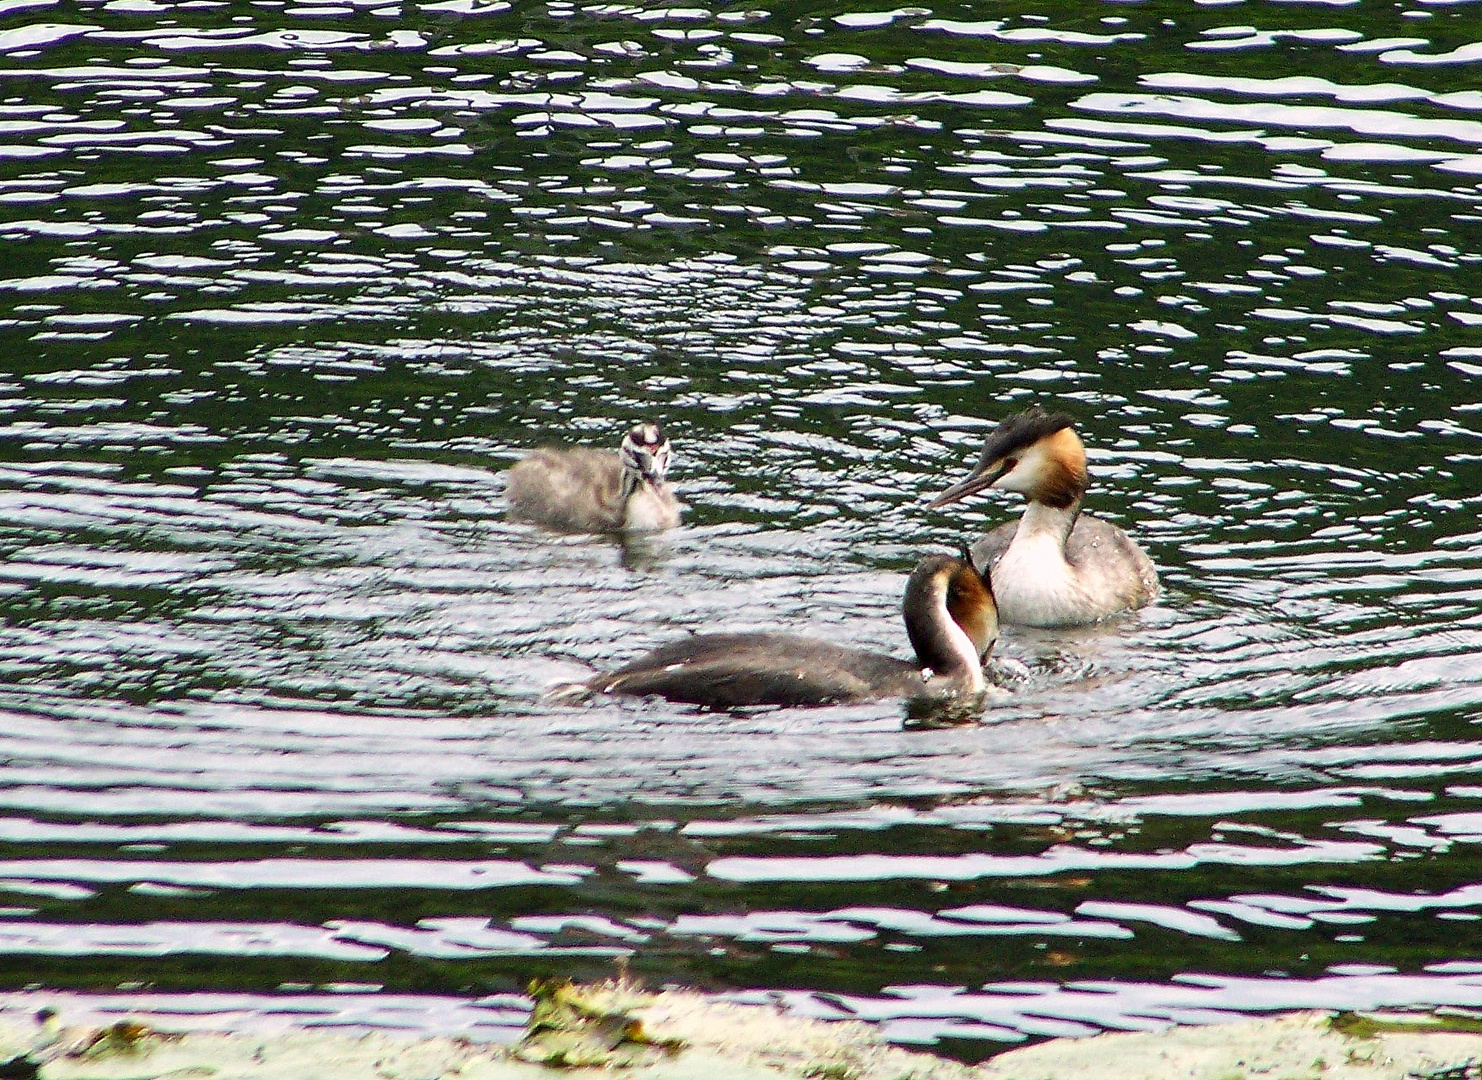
[{"x": 288, "y": 286}]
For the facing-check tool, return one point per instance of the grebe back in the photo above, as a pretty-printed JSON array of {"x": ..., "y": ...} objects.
[{"x": 950, "y": 619}]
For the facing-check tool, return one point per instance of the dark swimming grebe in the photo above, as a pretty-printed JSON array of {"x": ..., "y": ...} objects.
[
  {"x": 581, "y": 490},
  {"x": 1054, "y": 566},
  {"x": 950, "y": 619}
]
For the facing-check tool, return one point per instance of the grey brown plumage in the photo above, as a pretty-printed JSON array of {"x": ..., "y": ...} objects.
[
  {"x": 580, "y": 490},
  {"x": 948, "y": 609},
  {"x": 1092, "y": 541},
  {"x": 730, "y": 670}
]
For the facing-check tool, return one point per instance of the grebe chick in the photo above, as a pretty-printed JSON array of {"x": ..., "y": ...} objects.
[
  {"x": 1054, "y": 566},
  {"x": 581, "y": 490},
  {"x": 950, "y": 619}
]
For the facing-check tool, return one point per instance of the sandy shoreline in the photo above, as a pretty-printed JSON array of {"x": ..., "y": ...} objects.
[{"x": 678, "y": 1035}]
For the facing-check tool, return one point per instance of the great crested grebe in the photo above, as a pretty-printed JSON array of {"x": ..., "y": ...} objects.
[
  {"x": 950, "y": 619},
  {"x": 581, "y": 490},
  {"x": 1054, "y": 566}
]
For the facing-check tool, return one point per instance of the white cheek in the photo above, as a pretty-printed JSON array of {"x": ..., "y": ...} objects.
[
  {"x": 1028, "y": 475},
  {"x": 1018, "y": 478}
]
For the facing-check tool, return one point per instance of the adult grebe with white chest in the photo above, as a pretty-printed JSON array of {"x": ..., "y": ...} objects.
[{"x": 1055, "y": 566}]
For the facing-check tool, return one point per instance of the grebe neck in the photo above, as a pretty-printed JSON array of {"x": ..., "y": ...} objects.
[
  {"x": 940, "y": 643},
  {"x": 1042, "y": 522}
]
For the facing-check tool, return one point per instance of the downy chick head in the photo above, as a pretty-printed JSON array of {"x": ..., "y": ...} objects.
[
  {"x": 1034, "y": 453},
  {"x": 645, "y": 453}
]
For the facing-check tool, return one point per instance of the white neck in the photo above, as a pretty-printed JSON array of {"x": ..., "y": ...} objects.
[
  {"x": 1043, "y": 523},
  {"x": 1034, "y": 582},
  {"x": 960, "y": 646}
]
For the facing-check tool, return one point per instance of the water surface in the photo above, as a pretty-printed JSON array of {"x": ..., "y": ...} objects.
[{"x": 287, "y": 286}]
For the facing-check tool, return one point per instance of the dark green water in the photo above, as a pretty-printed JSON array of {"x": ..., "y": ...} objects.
[{"x": 286, "y": 287}]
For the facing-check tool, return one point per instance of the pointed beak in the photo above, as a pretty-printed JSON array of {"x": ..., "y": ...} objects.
[
  {"x": 981, "y": 477},
  {"x": 654, "y": 461}
]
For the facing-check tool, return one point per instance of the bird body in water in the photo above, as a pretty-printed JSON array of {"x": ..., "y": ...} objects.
[
  {"x": 594, "y": 491},
  {"x": 1055, "y": 566},
  {"x": 950, "y": 619}
]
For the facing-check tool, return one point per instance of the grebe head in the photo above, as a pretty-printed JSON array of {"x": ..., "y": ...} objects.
[
  {"x": 645, "y": 454},
  {"x": 1035, "y": 453},
  {"x": 951, "y": 618}
]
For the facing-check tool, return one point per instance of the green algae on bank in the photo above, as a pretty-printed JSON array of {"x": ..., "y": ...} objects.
[
  {"x": 685, "y": 1036},
  {"x": 573, "y": 1026}
]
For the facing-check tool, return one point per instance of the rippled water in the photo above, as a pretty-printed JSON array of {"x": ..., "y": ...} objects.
[{"x": 287, "y": 286}]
